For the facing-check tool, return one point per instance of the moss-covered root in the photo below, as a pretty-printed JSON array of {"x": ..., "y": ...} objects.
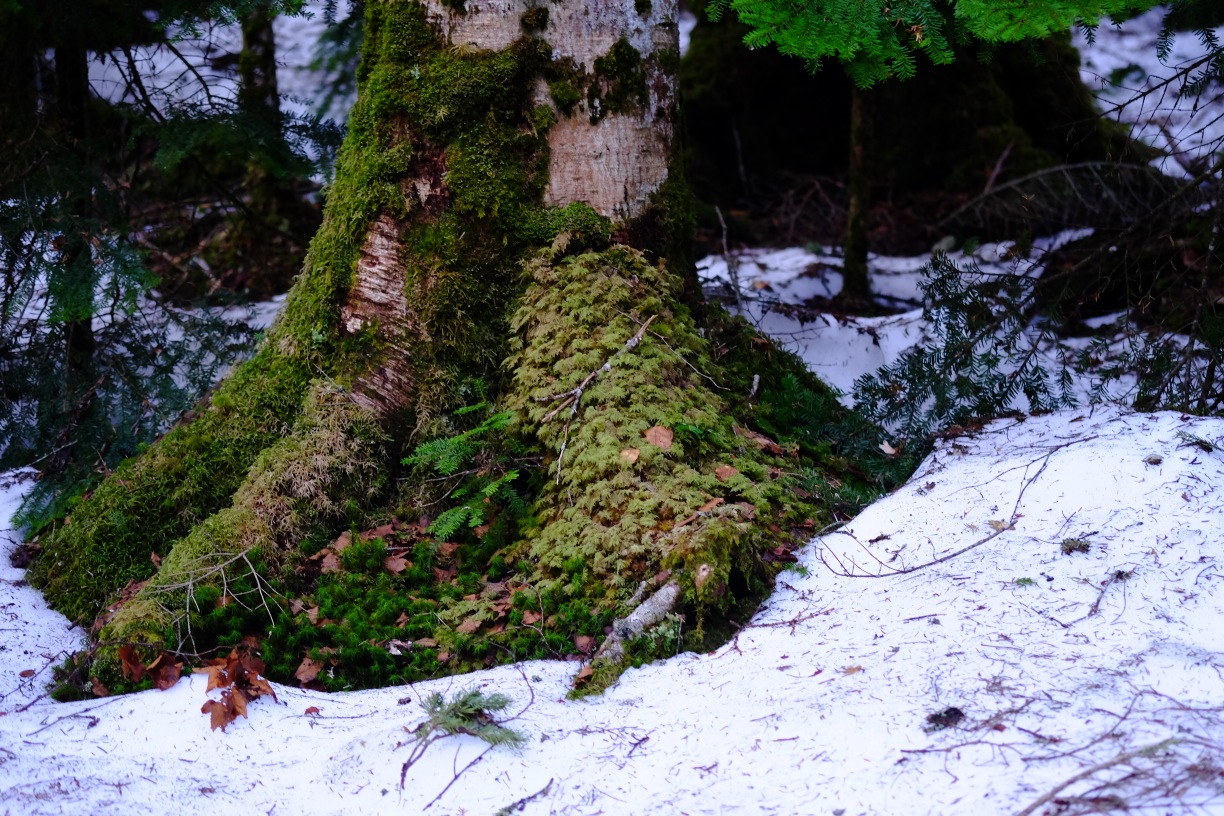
[
  {"x": 306, "y": 483},
  {"x": 651, "y": 471}
]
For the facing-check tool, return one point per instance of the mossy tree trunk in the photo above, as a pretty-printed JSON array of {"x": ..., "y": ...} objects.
[{"x": 499, "y": 296}]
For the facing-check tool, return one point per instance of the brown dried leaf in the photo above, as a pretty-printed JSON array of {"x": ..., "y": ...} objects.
[
  {"x": 238, "y": 701},
  {"x": 851, "y": 670},
  {"x": 296, "y": 606},
  {"x": 585, "y": 643},
  {"x": 395, "y": 564},
  {"x": 382, "y": 531},
  {"x": 443, "y": 657},
  {"x": 997, "y": 526},
  {"x": 217, "y": 677},
  {"x": 131, "y": 665},
  {"x": 531, "y": 618},
  {"x": 725, "y": 472},
  {"x": 331, "y": 563},
  {"x": 584, "y": 674},
  {"x": 710, "y": 505},
  {"x": 221, "y": 714},
  {"x": 426, "y": 643},
  {"x": 311, "y": 711},
  {"x": 402, "y": 620},
  {"x": 630, "y": 455},
  {"x": 660, "y": 437},
  {"x": 308, "y": 670},
  {"x": 312, "y": 614},
  {"x": 98, "y": 689},
  {"x": 469, "y": 626},
  {"x": 28, "y": 673},
  {"x": 343, "y": 541},
  {"x": 156, "y": 559}
]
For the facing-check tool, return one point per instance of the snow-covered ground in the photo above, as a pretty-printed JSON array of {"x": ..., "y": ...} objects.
[
  {"x": 868, "y": 684},
  {"x": 1134, "y": 87}
]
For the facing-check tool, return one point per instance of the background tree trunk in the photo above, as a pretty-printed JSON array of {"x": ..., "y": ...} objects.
[{"x": 856, "y": 287}]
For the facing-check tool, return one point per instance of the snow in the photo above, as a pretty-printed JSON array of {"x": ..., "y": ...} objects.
[
  {"x": 1135, "y": 87},
  {"x": 819, "y": 705},
  {"x": 775, "y": 284}
]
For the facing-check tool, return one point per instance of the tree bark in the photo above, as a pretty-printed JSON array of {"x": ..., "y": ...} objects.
[{"x": 856, "y": 285}]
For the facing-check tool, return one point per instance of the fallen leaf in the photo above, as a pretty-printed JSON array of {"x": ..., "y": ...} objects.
[
  {"x": 99, "y": 690},
  {"x": 308, "y": 670},
  {"x": 402, "y": 620},
  {"x": 531, "y": 618},
  {"x": 630, "y": 455},
  {"x": 238, "y": 701},
  {"x": 469, "y": 626},
  {"x": 312, "y": 614},
  {"x": 220, "y": 714},
  {"x": 852, "y": 670},
  {"x": 382, "y": 531},
  {"x": 725, "y": 472},
  {"x": 481, "y": 531},
  {"x": 343, "y": 541},
  {"x": 132, "y": 667},
  {"x": 426, "y": 643},
  {"x": 660, "y": 437},
  {"x": 28, "y": 673},
  {"x": 888, "y": 449},
  {"x": 997, "y": 526},
  {"x": 443, "y": 657},
  {"x": 296, "y": 606},
  {"x": 312, "y": 711},
  {"x": 585, "y": 643},
  {"x": 584, "y": 674},
  {"x": 156, "y": 559},
  {"x": 331, "y": 563},
  {"x": 394, "y": 564}
]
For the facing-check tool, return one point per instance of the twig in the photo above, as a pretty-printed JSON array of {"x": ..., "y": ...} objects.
[
  {"x": 454, "y": 780},
  {"x": 518, "y": 805},
  {"x": 1120, "y": 759}
]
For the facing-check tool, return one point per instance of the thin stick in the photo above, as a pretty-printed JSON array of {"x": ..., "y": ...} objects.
[
  {"x": 1102, "y": 766},
  {"x": 456, "y": 778}
]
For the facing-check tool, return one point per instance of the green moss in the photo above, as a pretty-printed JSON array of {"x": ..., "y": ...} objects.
[
  {"x": 535, "y": 19},
  {"x": 619, "y": 84}
]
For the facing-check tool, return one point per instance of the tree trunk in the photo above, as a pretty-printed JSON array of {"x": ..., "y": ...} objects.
[
  {"x": 570, "y": 440},
  {"x": 856, "y": 287}
]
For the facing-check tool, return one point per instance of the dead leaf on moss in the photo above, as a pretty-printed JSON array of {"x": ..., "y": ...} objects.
[
  {"x": 402, "y": 620},
  {"x": 585, "y": 643},
  {"x": 584, "y": 674},
  {"x": 132, "y": 667},
  {"x": 725, "y": 472},
  {"x": 98, "y": 689},
  {"x": 443, "y": 657},
  {"x": 630, "y": 455},
  {"x": 426, "y": 643},
  {"x": 531, "y": 618},
  {"x": 296, "y": 606},
  {"x": 312, "y": 614},
  {"x": 382, "y": 531},
  {"x": 156, "y": 559},
  {"x": 395, "y": 564},
  {"x": 308, "y": 670},
  {"x": 331, "y": 562},
  {"x": 660, "y": 437},
  {"x": 343, "y": 542},
  {"x": 469, "y": 626}
]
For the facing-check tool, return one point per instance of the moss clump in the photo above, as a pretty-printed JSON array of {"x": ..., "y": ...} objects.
[
  {"x": 535, "y": 19},
  {"x": 302, "y": 484},
  {"x": 619, "y": 85}
]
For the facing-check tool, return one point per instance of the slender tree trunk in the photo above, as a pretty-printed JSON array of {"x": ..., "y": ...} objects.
[{"x": 857, "y": 285}]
